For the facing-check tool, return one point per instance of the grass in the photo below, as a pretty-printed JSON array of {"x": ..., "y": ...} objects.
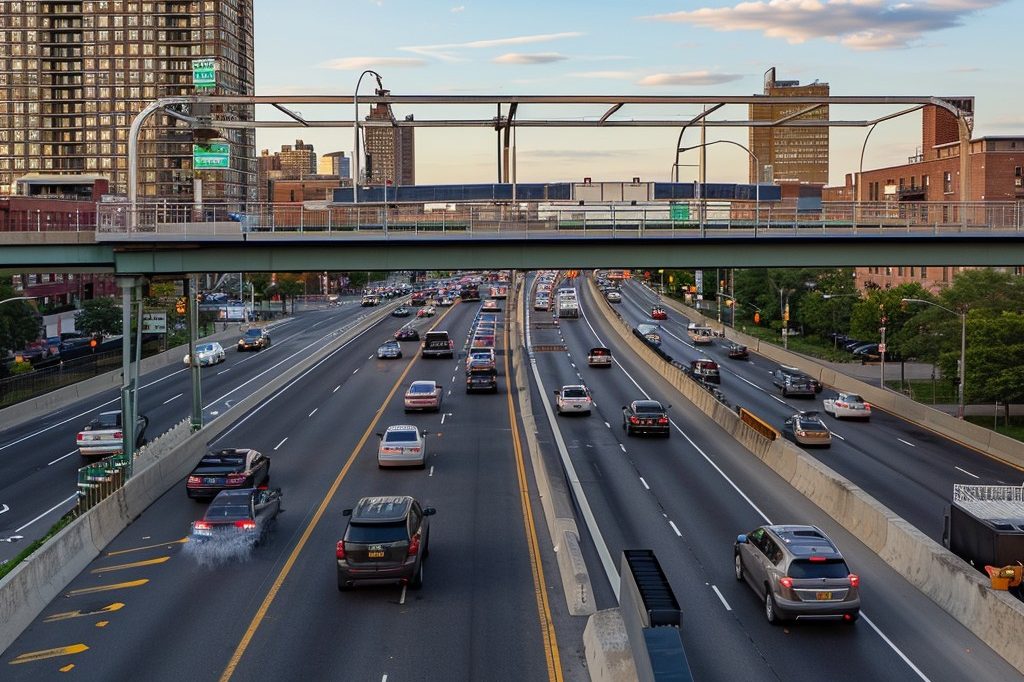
[
  {"x": 8, "y": 566},
  {"x": 806, "y": 345},
  {"x": 1015, "y": 429},
  {"x": 926, "y": 391}
]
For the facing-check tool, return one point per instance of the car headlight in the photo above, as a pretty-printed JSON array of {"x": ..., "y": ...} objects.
[{"x": 241, "y": 341}]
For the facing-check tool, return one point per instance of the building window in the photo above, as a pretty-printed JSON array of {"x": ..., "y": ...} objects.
[
  {"x": 899, "y": 270},
  {"x": 1016, "y": 172},
  {"x": 924, "y": 271},
  {"x": 947, "y": 182}
]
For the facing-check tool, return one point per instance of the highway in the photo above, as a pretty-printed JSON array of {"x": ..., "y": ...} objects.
[
  {"x": 909, "y": 469},
  {"x": 39, "y": 460},
  {"x": 484, "y": 611},
  {"x": 689, "y": 496}
]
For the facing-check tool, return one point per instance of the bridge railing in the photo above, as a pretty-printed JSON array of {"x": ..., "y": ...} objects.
[{"x": 168, "y": 219}]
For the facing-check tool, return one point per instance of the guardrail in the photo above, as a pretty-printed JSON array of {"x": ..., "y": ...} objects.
[
  {"x": 116, "y": 221},
  {"x": 98, "y": 480}
]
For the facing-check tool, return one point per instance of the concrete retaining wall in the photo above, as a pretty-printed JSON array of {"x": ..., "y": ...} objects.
[
  {"x": 34, "y": 583},
  {"x": 994, "y": 616},
  {"x": 991, "y": 443}
]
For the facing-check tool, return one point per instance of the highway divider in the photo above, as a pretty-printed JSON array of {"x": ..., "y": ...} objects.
[
  {"x": 33, "y": 584},
  {"x": 993, "y": 616}
]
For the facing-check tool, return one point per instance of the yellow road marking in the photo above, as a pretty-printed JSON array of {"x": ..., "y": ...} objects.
[
  {"x": 109, "y": 608},
  {"x": 547, "y": 626},
  {"x": 261, "y": 612},
  {"x": 107, "y": 588},
  {"x": 68, "y": 668},
  {"x": 49, "y": 653},
  {"x": 136, "y": 564},
  {"x": 102, "y": 623},
  {"x": 139, "y": 549}
]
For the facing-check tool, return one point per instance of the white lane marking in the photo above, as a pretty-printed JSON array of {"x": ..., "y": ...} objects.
[
  {"x": 449, "y": 391},
  {"x": 223, "y": 370},
  {"x": 400, "y": 601},
  {"x": 906, "y": 442},
  {"x": 966, "y": 472},
  {"x": 721, "y": 598},
  {"x": 837, "y": 435},
  {"x": 355, "y": 370},
  {"x": 443, "y": 416},
  {"x": 645, "y": 483},
  {"x": 370, "y": 358},
  {"x": 336, "y": 388},
  {"x": 5, "y": 509},
  {"x": 62, "y": 457},
  {"x": 608, "y": 425},
  {"x": 174, "y": 398},
  {"x": 675, "y": 528},
  {"x": 313, "y": 412},
  {"x": 56, "y": 506},
  {"x": 622, "y": 447},
  {"x": 280, "y": 444},
  {"x": 881, "y": 634},
  {"x": 453, "y": 379},
  {"x": 777, "y": 398},
  {"x": 431, "y": 471}
]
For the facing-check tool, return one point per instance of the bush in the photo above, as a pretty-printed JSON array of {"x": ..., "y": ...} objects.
[{"x": 21, "y": 367}]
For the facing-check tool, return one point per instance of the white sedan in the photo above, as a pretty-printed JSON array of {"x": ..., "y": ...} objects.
[
  {"x": 207, "y": 354},
  {"x": 849, "y": 405},
  {"x": 573, "y": 399}
]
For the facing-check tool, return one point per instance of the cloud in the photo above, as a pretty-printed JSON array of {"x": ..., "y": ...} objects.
[
  {"x": 689, "y": 78},
  {"x": 616, "y": 75},
  {"x": 534, "y": 58},
  {"x": 456, "y": 10},
  {"x": 357, "y": 63},
  {"x": 449, "y": 51},
  {"x": 857, "y": 24}
]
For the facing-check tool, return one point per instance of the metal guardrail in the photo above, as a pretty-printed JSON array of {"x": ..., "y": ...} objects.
[
  {"x": 40, "y": 380},
  {"x": 116, "y": 221},
  {"x": 98, "y": 480}
]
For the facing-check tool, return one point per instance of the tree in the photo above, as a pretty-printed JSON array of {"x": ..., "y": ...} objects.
[
  {"x": 866, "y": 317},
  {"x": 995, "y": 344},
  {"x": 99, "y": 316},
  {"x": 18, "y": 322}
]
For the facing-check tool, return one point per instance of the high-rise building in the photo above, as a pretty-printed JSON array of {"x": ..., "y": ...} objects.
[
  {"x": 298, "y": 160},
  {"x": 390, "y": 151},
  {"x": 73, "y": 75},
  {"x": 784, "y": 152},
  {"x": 335, "y": 164}
]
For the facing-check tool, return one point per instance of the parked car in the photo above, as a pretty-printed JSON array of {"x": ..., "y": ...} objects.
[
  {"x": 103, "y": 435},
  {"x": 389, "y": 349},
  {"x": 423, "y": 395},
  {"x": 402, "y": 445},
  {"x": 737, "y": 351},
  {"x": 407, "y": 334},
  {"x": 799, "y": 573},
  {"x": 246, "y": 513},
  {"x": 847, "y": 405},
  {"x": 386, "y": 540},
  {"x": 207, "y": 354},
  {"x": 644, "y": 417},
  {"x": 807, "y": 428},
  {"x": 255, "y": 338},
  {"x": 599, "y": 357},
  {"x": 573, "y": 399},
  {"x": 225, "y": 469}
]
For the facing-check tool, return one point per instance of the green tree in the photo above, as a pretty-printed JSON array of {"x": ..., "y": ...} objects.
[
  {"x": 18, "y": 322},
  {"x": 995, "y": 344},
  {"x": 99, "y": 316},
  {"x": 866, "y": 316}
]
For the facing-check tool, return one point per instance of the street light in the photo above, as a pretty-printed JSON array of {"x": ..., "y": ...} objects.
[
  {"x": 757, "y": 166},
  {"x": 18, "y": 298},
  {"x": 963, "y": 346},
  {"x": 829, "y": 297},
  {"x": 355, "y": 125}
]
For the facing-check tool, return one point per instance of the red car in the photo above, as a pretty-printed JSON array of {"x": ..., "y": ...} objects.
[{"x": 658, "y": 313}]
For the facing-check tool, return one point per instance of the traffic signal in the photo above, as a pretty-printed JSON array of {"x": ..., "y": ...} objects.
[
  {"x": 93, "y": 343},
  {"x": 757, "y": 318},
  {"x": 785, "y": 314},
  {"x": 179, "y": 305}
]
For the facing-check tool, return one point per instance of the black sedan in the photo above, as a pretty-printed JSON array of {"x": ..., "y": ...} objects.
[
  {"x": 255, "y": 338},
  {"x": 229, "y": 468},
  {"x": 738, "y": 352},
  {"x": 400, "y": 312},
  {"x": 244, "y": 515},
  {"x": 407, "y": 334},
  {"x": 645, "y": 416}
]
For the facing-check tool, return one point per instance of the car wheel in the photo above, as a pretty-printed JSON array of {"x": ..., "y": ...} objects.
[
  {"x": 417, "y": 580},
  {"x": 738, "y": 565},
  {"x": 769, "y": 607}
]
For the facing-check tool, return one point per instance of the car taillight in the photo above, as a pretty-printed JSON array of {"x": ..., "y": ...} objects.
[
  {"x": 867, "y": 406},
  {"x": 194, "y": 480},
  {"x": 236, "y": 479},
  {"x": 245, "y": 524},
  {"x": 854, "y": 580},
  {"x": 800, "y": 432},
  {"x": 414, "y": 545},
  {"x": 414, "y": 451},
  {"x": 200, "y": 525},
  {"x": 391, "y": 451},
  {"x": 634, "y": 420},
  {"x": 786, "y": 582},
  {"x": 339, "y": 549},
  {"x": 817, "y": 559},
  {"x": 838, "y": 404},
  {"x": 663, "y": 420},
  {"x": 80, "y": 436}
]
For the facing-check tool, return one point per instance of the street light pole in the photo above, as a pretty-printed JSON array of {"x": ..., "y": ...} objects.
[
  {"x": 355, "y": 126},
  {"x": 18, "y": 298},
  {"x": 962, "y": 374}
]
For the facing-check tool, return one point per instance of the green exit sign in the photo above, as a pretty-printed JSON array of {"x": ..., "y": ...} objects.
[
  {"x": 212, "y": 155},
  {"x": 204, "y": 73},
  {"x": 679, "y": 212}
]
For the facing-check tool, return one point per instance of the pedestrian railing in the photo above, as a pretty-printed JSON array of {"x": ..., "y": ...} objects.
[{"x": 100, "y": 479}]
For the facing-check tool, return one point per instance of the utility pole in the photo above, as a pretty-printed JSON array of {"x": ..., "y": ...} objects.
[{"x": 191, "y": 286}]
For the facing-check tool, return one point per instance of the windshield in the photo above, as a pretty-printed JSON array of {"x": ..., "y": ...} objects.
[
  {"x": 648, "y": 409},
  {"x": 401, "y": 437},
  {"x": 227, "y": 512},
  {"x": 376, "y": 532},
  {"x": 106, "y": 421},
  {"x": 204, "y": 348},
  {"x": 421, "y": 388},
  {"x": 253, "y": 333},
  {"x": 805, "y": 568},
  {"x": 810, "y": 425},
  {"x": 854, "y": 398},
  {"x": 574, "y": 393}
]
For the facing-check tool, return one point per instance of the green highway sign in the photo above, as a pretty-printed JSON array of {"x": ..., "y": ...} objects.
[
  {"x": 204, "y": 73},
  {"x": 679, "y": 212},
  {"x": 211, "y": 155}
]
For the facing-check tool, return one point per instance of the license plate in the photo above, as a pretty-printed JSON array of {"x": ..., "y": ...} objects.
[
  {"x": 375, "y": 555},
  {"x": 206, "y": 533},
  {"x": 823, "y": 596},
  {"x": 209, "y": 480}
]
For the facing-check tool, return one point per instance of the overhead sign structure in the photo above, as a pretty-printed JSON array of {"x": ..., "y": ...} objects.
[
  {"x": 154, "y": 323},
  {"x": 204, "y": 74},
  {"x": 211, "y": 155},
  {"x": 679, "y": 212}
]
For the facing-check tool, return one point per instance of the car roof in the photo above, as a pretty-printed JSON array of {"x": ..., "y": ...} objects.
[
  {"x": 402, "y": 427},
  {"x": 567, "y": 386},
  {"x": 383, "y": 509},
  {"x": 647, "y": 403},
  {"x": 803, "y": 541},
  {"x": 424, "y": 382},
  {"x": 233, "y": 495}
]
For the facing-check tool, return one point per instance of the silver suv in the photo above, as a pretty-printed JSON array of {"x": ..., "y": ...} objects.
[{"x": 798, "y": 572}]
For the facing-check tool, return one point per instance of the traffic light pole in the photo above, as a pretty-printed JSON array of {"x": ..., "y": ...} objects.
[
  {"x": 191, "y": 287},
  {"x": 127, "y": 285}
]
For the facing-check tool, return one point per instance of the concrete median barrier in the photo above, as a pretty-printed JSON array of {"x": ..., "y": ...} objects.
[
  {"x": 35, "y": 582},
  {"x": 606, "y": 646},
  {"x": 993, "y": 616}
]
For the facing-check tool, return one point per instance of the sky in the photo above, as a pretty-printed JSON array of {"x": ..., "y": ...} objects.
[{"x": 604, "y": 47}]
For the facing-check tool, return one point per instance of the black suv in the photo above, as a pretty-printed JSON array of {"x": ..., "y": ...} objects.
[
  {"x": 256, "y": 338},
  {"x": 228, "y": 468},
  {"x": 387, "y": 540},
  {"x": 794, "y": 382}
]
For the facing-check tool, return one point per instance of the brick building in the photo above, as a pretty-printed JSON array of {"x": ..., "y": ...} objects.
[
  {"x": 792, "y": 153},
  {"x": 390, "y": 151}
]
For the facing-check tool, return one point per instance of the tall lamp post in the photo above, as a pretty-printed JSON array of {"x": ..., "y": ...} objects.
[
  {"x": 962, "y": 314},
  {"x": 355, "y": 126},
  {"x": 757, "y": 165}
]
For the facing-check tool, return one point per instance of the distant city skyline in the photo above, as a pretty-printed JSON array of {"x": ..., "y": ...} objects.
[{"x": 872, "y": 47}]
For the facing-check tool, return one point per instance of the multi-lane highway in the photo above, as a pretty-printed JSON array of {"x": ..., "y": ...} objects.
[{"x": 153, "y": 607}]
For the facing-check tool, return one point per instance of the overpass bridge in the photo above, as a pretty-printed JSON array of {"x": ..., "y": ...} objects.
[{"x": 171, "y": 238}]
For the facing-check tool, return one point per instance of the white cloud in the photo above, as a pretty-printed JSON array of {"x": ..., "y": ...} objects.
[
  {"x": 449, "y": 51},
  {"x": 857, "y": 24},
  {"x": 532, "y": 58},
  {"x": 616, "y": 75},
  {"x": 456, "y": 10},
  {"x": 357, "y": 63},
  {"x": 689, "y": 78}
]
